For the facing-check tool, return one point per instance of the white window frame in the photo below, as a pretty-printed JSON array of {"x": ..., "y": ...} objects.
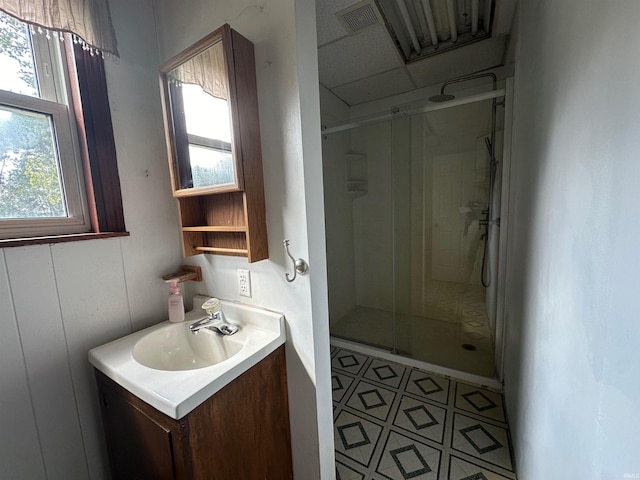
[{"x": 53, "y": 82}]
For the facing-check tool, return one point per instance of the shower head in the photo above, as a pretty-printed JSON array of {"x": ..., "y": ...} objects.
[{"x": 443, "y": 97}]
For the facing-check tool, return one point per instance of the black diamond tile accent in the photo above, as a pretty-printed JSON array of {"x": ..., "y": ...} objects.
[
  {"x": 348, "y": 361},
  {"x": 476, "y": 476},
  {"x": 389, "y": 372},
  {"x": 348, "y": 446},
  {"x": 411, "y": 415},
  {"x": 379, "y": 403},
  {"x": 347, "y": 470},
  {"x": 395, "y": 454},
  {"x": 419, "y": 426},
  {"x": 475, "y": 404},
  {"x": 428, "y": 390},
  {"x": 489, "y": 448},
  {"x": 473, "y": 470},
  {"x": 336, "y": 384}
]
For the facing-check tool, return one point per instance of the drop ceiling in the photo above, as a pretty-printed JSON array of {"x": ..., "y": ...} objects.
[{"x": 381, "y": 58}]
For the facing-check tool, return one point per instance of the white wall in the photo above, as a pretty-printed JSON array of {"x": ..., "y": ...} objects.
[
  {"x": 283, "y": 33},
  {"x": 572, "y": 382},
  {"x": 58, "y": 301}
]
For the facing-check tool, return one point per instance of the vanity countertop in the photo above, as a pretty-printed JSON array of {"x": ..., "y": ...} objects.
[{"x": 177, "y": 392}]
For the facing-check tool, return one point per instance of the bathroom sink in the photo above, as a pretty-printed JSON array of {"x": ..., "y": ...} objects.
[
  {"x": 174, "y": 370},
  {"x": 174, "y": 347}
]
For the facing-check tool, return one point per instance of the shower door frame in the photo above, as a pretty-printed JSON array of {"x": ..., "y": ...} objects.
[{"x": 506, "y": 200}]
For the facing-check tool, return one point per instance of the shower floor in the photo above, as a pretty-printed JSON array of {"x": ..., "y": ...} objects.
[{"x": 455, "y": 316}]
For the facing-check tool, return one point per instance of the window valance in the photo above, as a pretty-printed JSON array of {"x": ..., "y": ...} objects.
[
  {"x": 89, "y": 20},
  {"x": 207, "y": 70}
]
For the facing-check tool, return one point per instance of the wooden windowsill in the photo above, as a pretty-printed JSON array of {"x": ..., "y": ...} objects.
[{"x": 75, "y": 237}]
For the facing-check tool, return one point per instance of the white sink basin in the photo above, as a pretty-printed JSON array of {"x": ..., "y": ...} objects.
[
  {"x": 174, "y": 347},
  {"x": 174, "y": 370}
]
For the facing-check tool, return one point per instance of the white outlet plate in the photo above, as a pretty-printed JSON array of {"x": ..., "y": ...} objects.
[{"x": 244, "y": 282}]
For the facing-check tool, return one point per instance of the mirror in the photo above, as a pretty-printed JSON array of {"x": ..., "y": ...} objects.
[{"x": 198, "y": 108}]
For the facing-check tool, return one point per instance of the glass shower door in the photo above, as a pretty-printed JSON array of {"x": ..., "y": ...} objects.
[
  {"x": 441, "y": 194},
  {"x": 359, "y": 226},
  {"x": 405, "y": 202}
]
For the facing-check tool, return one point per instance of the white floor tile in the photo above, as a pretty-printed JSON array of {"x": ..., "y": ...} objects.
[{"x": 396, "y": 422}]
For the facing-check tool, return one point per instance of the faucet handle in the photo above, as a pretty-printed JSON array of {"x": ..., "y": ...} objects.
[{"x": 212, "y": 306}]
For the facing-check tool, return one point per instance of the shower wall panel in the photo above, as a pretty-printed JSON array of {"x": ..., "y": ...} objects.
[
  {"x": 401, "y": 180},
  {"x": 338, "y": 226},
  {"x": 373, "y": 220},
  {"x": 491, "y": 298},
  {"x": 420, "y": 208}
]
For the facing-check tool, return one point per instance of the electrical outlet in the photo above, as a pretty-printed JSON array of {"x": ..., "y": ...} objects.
[{"x": 244, "y": 282}]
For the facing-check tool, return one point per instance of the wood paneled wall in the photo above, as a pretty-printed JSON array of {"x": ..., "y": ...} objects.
[{"x": 57, "y": 302}]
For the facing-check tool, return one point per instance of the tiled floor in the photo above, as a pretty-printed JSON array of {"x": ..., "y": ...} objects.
[
  {"x": 396, "y": 422},
  {"x": 453, "y": 314}
]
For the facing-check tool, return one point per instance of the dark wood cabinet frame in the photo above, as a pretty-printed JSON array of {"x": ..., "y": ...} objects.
[
  {"x": 229, "y": 219},
  {"x": 241, "y": 432}
]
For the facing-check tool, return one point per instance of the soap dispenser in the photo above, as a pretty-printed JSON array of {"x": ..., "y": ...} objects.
[{"x": 176, "y": 301}]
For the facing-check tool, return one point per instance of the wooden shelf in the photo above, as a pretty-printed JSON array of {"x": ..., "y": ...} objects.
[
  {"x": 185, "y": 274},
  {"x": 224, "y": 251},
  {"x": 215, "y": 228}
]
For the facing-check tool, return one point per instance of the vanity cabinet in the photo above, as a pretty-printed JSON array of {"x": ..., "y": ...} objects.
[
  {"x": 210, "y": 101},
  {"x": 241, "y": 432}
]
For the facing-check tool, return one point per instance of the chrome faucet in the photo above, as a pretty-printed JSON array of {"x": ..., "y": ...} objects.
[{"x": 215, "y": 319}]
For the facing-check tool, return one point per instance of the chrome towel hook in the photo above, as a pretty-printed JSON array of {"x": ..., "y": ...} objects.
[{"x": 299, "y": 265}]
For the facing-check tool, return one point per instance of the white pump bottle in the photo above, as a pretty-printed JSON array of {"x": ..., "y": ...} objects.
[{"x": 176, "y": 302}]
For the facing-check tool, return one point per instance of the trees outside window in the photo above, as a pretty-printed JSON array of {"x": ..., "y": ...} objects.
[{"x": 47, "y": 119}]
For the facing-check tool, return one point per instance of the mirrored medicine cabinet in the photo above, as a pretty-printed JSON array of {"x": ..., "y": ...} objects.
[{"x": 210, "y": 106}]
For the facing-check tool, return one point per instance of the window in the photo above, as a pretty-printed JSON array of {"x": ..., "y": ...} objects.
[{"x": 58, "y": 172}]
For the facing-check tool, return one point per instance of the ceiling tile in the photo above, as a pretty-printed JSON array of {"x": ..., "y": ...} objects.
[
  {"x": 329, "y": 27},
  {"x": 375, "y": 87},
  {"x": 461, "y": 61},
  {"x": 354, "y": 57}
]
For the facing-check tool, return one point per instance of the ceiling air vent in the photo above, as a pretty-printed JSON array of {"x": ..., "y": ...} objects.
[{"x": 359, "y": 16}]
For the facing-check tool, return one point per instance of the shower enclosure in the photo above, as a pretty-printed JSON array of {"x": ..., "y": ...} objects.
[{"x": 412, "y": 214}]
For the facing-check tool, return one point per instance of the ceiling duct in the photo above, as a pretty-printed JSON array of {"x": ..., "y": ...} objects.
[
  {"x": 435, "y": 26},
  {"x": 359, "y": 16}
]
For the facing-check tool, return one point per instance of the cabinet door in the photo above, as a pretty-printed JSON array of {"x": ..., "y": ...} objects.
[{"x": 139, "y": 447}]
